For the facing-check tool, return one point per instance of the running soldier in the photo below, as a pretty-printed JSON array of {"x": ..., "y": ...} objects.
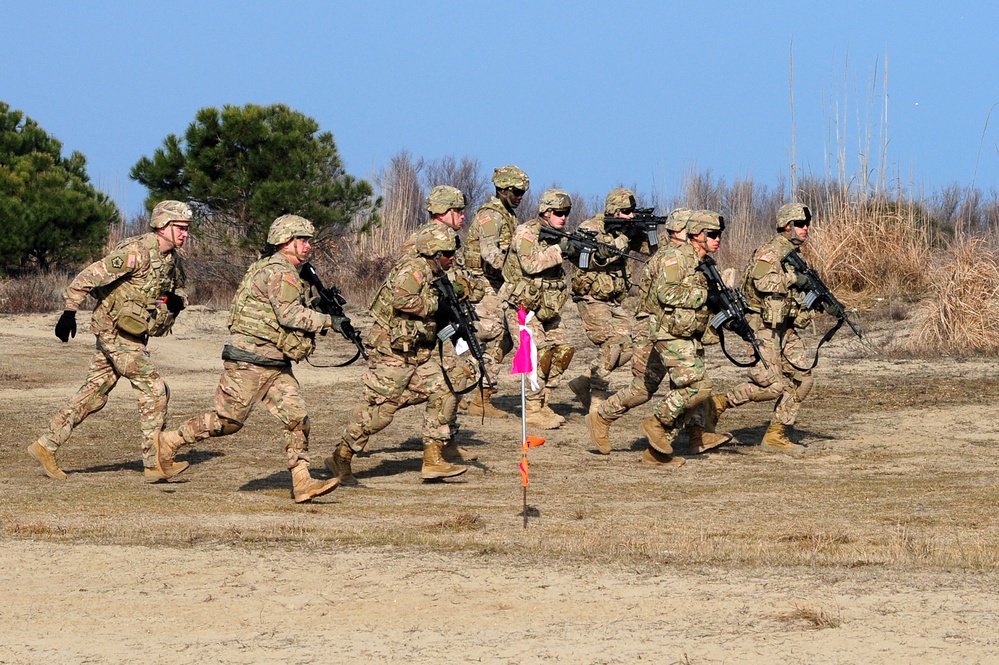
[
  {"x": 773, "y": 292},
  {"x": 676, "y": 307},
  {"x": 535, "y": 280},
  {"x": 402, "y": 367},
  {"x": 599, "y": 291},
  {"x": 486, "y": 247},
  {"x": 271, "y": 326},
  {"x": 139, "y": 289}
]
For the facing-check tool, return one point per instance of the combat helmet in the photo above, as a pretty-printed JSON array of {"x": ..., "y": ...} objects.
[
  {"x": 170, "y": 211},
  {"x": 510, "y": 176},
  {"x": 554, "y": 199},
  {"x": 792, "y": 212},
  {"x": 434, "y": 238},
  {"x": 677, "y": 220},
  {"x": 704, "y": 219},
  {"x": 443, "y": 198},
  {"x": 289, "y": 227},
  {"x": 619, "y": 199}
]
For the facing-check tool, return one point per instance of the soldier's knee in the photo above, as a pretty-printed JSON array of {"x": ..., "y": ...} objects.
[
  {"x": 697, "y": 393},
  {"x": 561, "y": 356},
  {"x": 223, "y": 426},
  {"x": 303, "y": 426}
]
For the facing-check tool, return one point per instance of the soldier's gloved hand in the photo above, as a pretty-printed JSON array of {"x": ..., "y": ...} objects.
[
  {"x": 801, "y": 281},
  {"x": 66, "y": 325},
  {"x": 605, "y": 252},
  {"x": 461, "y": 287},
  {"x": 570, "y": 248},
  {"x": 174, "y": 303},
  {"x": 835, "y": 309},
  {"x": 742, "y": 329},
  {"x": 714, "y": 300}
]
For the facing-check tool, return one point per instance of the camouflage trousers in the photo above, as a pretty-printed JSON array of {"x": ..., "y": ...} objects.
[
  {"x": 394, "y": 381},
  {"x": 782, "y": 382},
  {"x": 116, "y": 357},
  {"x": 609, "y": 326},
  {"x": 491, "y": 329},
  {"x": 682, "y": 360},
  {"x": 554, "y": 351},
  {"x": 241, "y": 387}
]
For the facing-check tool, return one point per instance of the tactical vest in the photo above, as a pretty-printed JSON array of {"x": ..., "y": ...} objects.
[
  {"x": 608, "y": 283},
  {"x": 545, "y": 292},
  {"x": 472, "y": 248},
  {"x": 775, "y": 309},
  {"x": 133, "y": 303},
  {"x": 252, "y": 316},
  {"x": 407, "y": 332},
  {"x": 666, "y": 321}
]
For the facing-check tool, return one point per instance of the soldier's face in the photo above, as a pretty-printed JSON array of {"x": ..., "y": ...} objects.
[
  {"x": 558, "y": 218},
  {"x": 446, "y": 259},
  {"x": 511, "y": 197},
  {"x": 297, "y": 250},
  {"x": 800, "y": 228},
  {"x": 454, "y": 218},
  {"x": 177, "y": 233}
]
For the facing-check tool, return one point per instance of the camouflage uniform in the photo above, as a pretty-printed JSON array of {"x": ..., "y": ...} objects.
[
  {"x": 773, "y": 299},
  {"x": 599, "y": 291},
  {"x": 130, "y": 285},
  {"x": 403, "y": 369},
  {"x": 484, "y": 252},
  {"x": 535, "y": 280}
]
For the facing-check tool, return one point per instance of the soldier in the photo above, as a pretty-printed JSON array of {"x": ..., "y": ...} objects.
[
  {"x": 139, "y": 289},
  {"x": 535, "y": 280},
  {"x": 402, "y": 367},
  {"x": 676, "y": 304},
  {"x": 599, "y": 291},
  {"x": 271, "y": 326},
  {"x": 485, "y": 250},
  {"x": 773, "y": 292}
]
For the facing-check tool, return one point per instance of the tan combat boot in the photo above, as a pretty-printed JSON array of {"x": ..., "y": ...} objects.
[
  {"x": 715, "y": 407},
  {"x": 47, "y": 459},
  {"x": 339, "y": 465},
  {"x": 580, "y": 387},
  {"x": 700, "y": 440},
  {"x": 775, "y": 439},
  {"x": 152, "y": 475},
  {"x": 305, "y": 487},
  {"x": 435, "y": 466},
  {"x": 165, "y": 445},
  {"x": 599, "y": 431},
  {"x": 659, "y": 443},
  {"x": 456, "y": 454},
  {"x": 542, "y": 417},
  {"x": 482, "y": 406}
]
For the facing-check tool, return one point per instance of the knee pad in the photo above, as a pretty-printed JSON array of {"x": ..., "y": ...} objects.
[
  {"x": 222, "y": 426},
  {"x": 545, "y": 360},
  {"x": 804, "y": 387},
  {"x": 697, "y": 393},
  {"x": 561, "y": 357}
]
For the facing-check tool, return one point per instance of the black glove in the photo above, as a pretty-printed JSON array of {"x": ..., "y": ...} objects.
[
  {"x": 801, "y": 281},
  {"x": 834, "y": 309},
  {"x": 174, "y": 303},
  {"x": 605, "y": 252},
  {"x": 714, "y": 300},
  {"x": 569, "y": 247},
  {"x": 66, "y": 325}
]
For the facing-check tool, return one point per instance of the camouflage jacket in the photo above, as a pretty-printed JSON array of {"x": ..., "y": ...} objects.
[
  {"x": 677, "y": 296},
  {"x": 769, "y": 286},
  {"x": 269, "y": 316},
  {"x": 608, "y": 279},
  {"x": 132, "y": 280},
  {"x": 404, "y": 308},
  {"x": 488, "y": 240},
  {"x": 533, "y": 274}
]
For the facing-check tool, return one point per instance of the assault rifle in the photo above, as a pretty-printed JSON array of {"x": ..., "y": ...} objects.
[
  {"x": 732, "y": 309},
  {"x": 331, "y": 302},
  {"x": 456, "y": 319},
  {"x": 643, "y": 226},
  {"x": 587, "y": 244},
  {"x": 819, "y": 294}
]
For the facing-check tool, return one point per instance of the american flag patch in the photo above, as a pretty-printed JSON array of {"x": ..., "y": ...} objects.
[
  {"x": 418, "y": 277},
  {"x": 132, "y": 260},
  {"x": 670, "y": 261},
  {"x": 528, "y": 236},
  {"x": 768, "y": 257},
  {"x": 291, "y": 280}
]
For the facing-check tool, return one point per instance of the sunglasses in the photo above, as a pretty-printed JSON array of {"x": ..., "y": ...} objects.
[
  {"x": 627, "y": 211},
  {"x": 802, "y": 223},
  {"x": 561, "y": 213},
  {"x": 714, "y": 234},
  {"x": 448, "y": 253},
  {"x": 517, "y": 191}
]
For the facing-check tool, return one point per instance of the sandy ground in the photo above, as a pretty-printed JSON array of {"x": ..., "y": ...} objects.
[{"x": 76, "y": 590}]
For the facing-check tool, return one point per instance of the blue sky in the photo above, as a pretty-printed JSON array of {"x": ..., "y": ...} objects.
[{"x": 587, "y": 95}]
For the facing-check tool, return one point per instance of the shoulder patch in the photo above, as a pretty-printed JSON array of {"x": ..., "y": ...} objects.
[
  {"x": 291, "y": 279},
  {"x": 768, "y": 257},
  {"x": 117, "y": 262},
  {"x": 132, "y": 260},
  {"x": 418, "y": 277},
  {"x": 671, "y": 261}
]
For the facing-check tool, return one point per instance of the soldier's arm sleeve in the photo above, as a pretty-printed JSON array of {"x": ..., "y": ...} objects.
[
  {"x": 285, "y": 296},
  {"x": 768, "y": 274},
  {"x": 114, "y": 266},
  {"x": 676, "y": 287},
  {"x": 489, "y": 237},
  {"x": 534, "y": 256},
  {"x": 413, "y": 293}
]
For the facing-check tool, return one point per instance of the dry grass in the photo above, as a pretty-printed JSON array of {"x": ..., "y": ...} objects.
[{"x": 813, "y": 617}]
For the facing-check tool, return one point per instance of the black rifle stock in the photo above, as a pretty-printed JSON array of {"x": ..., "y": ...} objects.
[
  {"x": 456, "y": 319},
  {"x": 331, "y": 302},
  {"x": 732, "y": 308},
  {"x": 589, "y": 245},
  {"x": 644, "y": 223},
  {"x": 818, "y": 294}
]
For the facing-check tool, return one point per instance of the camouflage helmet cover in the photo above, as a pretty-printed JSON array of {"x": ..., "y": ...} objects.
[
  {"x": 704, "y": 219},
  {"x": 554, "y": 199},
  {"x": 792, "y": 212},
  {"x": 510, "y": 176},
  {"x": 443, "y": 198},
  {"x": 434, "y": 238},
  {"x": 677, "y": 220},
  {"x": 170, "y": 211},
  {"x": 289, "y": 227},
  {"x": 619, "y": 199}
]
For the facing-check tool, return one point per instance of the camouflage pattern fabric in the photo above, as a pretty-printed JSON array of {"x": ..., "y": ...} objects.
[{"x": 135, "y": 271}]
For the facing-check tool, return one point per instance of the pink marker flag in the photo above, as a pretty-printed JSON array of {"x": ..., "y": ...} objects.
[{"x": 526, "y": 359}]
